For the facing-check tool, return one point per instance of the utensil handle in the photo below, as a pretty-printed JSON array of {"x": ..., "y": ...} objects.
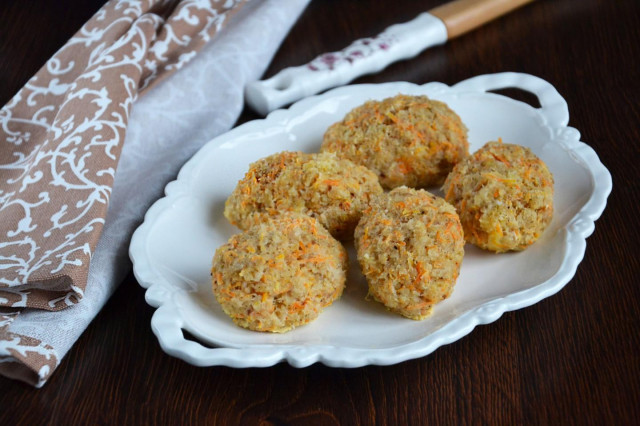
[
  {"x": 461, "y": 16},
  {"x": 364, "y": 56},
  {"x": 370, "y": 55}
]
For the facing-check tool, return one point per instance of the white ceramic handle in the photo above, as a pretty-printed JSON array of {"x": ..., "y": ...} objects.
[
  {"x": 553, "y": 107},
  {"x": 364, "y": 56},
  {"x": 167, "y": 324}
]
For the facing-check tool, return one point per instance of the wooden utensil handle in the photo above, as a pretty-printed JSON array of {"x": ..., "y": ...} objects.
[{"x": 461, "y": 16}]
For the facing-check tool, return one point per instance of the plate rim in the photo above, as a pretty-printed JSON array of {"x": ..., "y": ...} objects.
[{"x": 167, "y": 324}]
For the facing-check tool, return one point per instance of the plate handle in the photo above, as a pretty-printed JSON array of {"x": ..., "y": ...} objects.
[
  {"x": 168, "y": 325},
  {"x": 553, "y": 107}
]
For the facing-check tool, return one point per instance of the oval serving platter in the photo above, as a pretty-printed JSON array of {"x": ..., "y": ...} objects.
[{"x": 172, "y": 250}]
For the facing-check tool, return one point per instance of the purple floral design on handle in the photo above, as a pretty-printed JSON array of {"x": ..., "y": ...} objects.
[{"x": 359, "y": 49}]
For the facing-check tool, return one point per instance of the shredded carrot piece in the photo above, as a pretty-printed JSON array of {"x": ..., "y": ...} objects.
[
  {"x": 504, "y": 180},
  {"x": 404, "y": 167},
  {"x": 315, "y": 259},
  {"x": 419, "y": 305},
  {"x": 297, "y": 306},
  {"x": 501, "y": 159},
  {"x": 449, "y": 194},
  {"x": 433, "y": 219},
  {"x": 227, "y": 292},
  {"x": 420, "y": 271}
]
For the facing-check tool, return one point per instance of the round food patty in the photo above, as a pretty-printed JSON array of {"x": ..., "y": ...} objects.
[
  {"x": 405, "y": 140},
  {"x": 279, "y": 274},
  {"x": 504, "y": 196},
  {"x": 410, "y": 247},
  {"x": 331, "y": 189}
]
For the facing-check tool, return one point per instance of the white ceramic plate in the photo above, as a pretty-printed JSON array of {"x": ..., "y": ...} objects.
[{"x": 172, "y": 249}]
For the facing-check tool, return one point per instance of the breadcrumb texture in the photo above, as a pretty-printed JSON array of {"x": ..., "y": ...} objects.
[
  {"x": 410, "y": 246},
  {"x": 279, "y": 274},
  {"x": 504, "y": 196},
  {"x": 331, "y": 189},
  {"x": 405, "y": 140}
]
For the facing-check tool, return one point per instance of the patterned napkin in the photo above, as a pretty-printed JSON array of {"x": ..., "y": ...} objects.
[{"x": 61, "y": 140}]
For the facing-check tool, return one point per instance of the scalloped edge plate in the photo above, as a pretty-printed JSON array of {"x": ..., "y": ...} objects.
[{"x": 171, "y": 250}]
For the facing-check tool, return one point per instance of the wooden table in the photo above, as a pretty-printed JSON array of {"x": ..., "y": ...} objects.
[{"x": 572, "y": 358}]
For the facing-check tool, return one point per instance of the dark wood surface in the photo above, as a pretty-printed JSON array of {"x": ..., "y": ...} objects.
[{"x": 572, "y": 358}]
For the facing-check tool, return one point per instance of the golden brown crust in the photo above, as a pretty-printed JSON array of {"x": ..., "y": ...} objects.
[
  {"x": 410, "y": 247},
  {"x": 333, "y": 190},
  {"x": 279, "y": 274},
  {"x": 504, "y": 196},
  {"x": 404, "y": 140}
]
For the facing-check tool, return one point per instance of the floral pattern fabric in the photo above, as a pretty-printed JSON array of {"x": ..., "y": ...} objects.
[
  {"x": 62, "y": 134},
  {"x": 166, "y": 126}
]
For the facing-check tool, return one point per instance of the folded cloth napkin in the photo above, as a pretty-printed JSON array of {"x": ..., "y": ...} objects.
[{"x": 60, "y": 143}]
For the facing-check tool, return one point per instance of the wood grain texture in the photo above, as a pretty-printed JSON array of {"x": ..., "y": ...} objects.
[
  {"x": 462, "y": 16},
  {"x": 572, "y": 358}
]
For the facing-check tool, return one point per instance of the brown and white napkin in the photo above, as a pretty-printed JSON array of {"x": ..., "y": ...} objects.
[
  {"x": 62, "y": 134},
  {"x": 61, "y": 139}
]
